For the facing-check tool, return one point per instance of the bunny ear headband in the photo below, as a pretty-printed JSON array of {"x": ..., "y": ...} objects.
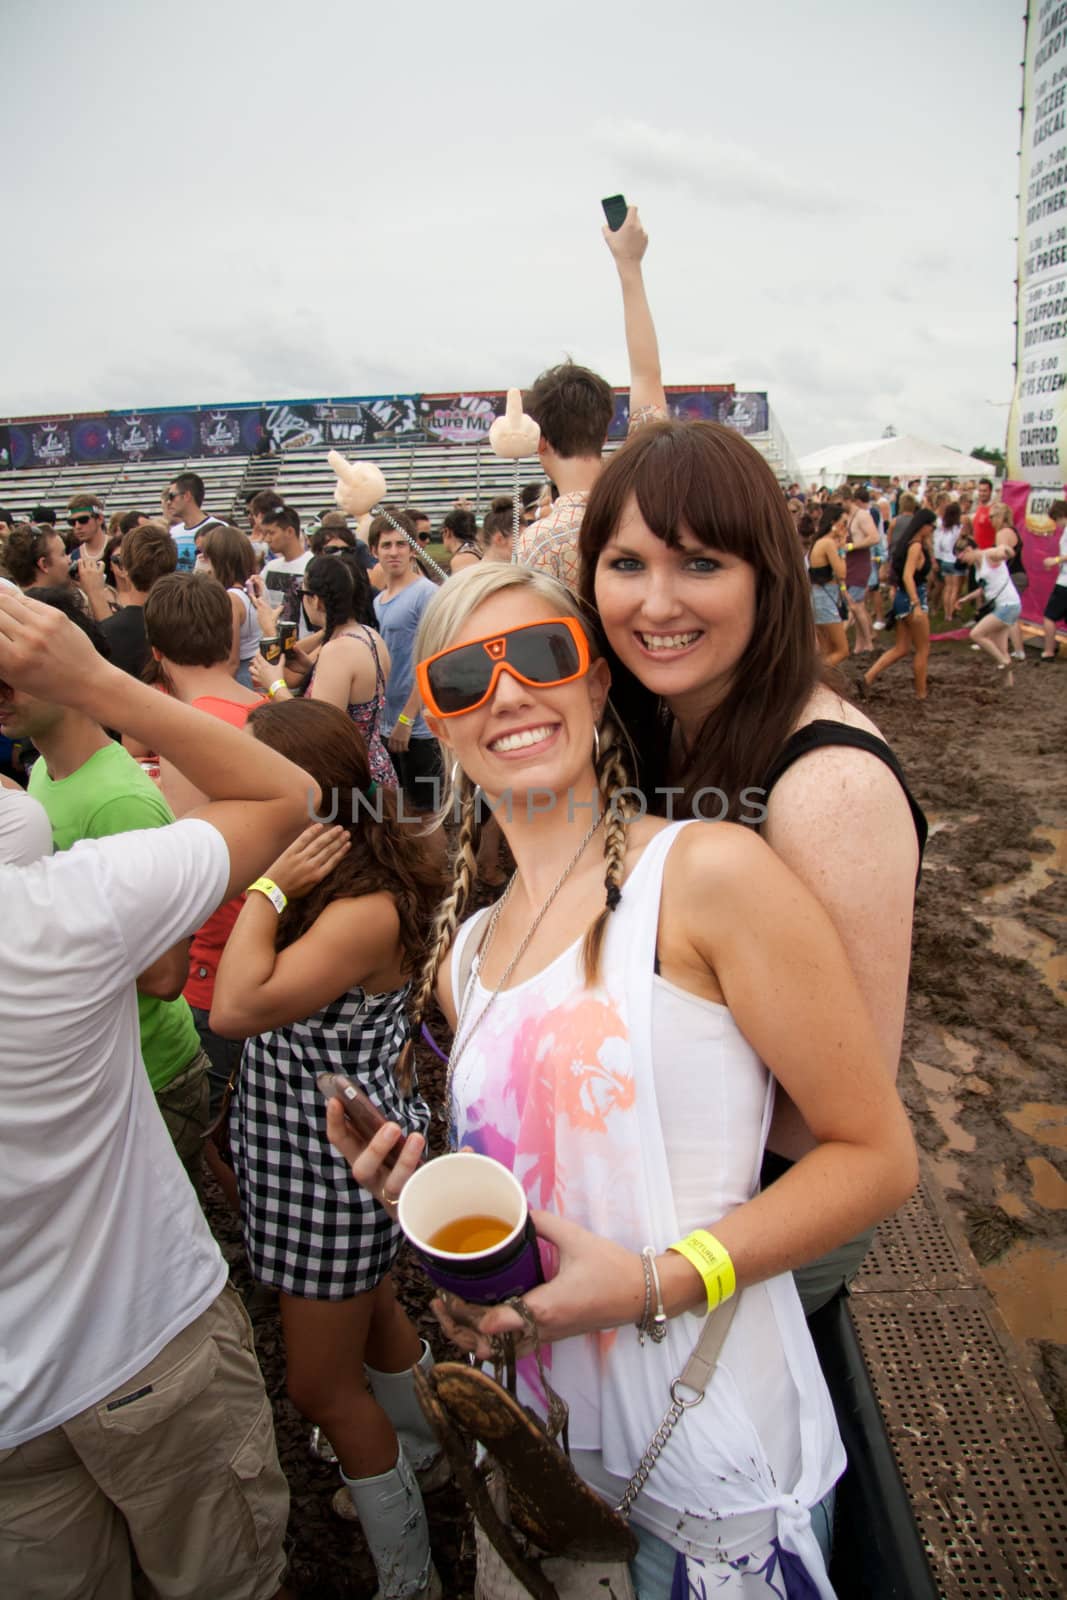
[
  {"x": 513, "y": 436},
  {"x": 360, "y": 486}
]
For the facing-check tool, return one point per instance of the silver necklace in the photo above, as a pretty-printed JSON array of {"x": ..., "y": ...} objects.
[{"x": 461, "y": 1037}]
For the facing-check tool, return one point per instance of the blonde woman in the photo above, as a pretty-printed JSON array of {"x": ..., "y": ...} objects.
[{"x": 615, "y": 1021}]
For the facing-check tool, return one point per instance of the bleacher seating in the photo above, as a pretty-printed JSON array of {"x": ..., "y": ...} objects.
[
  {"x": 430, "y": 477},
  {"x": 135, "y": 486}
]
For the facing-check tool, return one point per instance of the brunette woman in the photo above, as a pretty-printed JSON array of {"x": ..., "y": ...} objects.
[
  {"x": 316, "y": 977},
  {"x": 613, "y": 1020},
  {"x": 911, "y": 560},
  {"x": 227, "y": 553},
  {"x": 826, "y": 574},
  {"x": 690, "y": 556},
  {"x": 350, "y": 669}
]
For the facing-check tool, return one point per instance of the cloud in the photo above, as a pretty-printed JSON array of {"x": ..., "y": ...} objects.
[{"x": 729, "y": 174}]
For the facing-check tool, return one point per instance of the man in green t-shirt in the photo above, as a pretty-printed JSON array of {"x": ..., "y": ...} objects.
[{"x": 91, "y": 787}]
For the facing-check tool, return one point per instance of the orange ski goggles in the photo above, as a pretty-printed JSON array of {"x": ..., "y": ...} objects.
[{"x": 542, "y": 654}]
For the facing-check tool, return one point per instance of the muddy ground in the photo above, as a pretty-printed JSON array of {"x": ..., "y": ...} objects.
[{"x": 984, "y": 1073}]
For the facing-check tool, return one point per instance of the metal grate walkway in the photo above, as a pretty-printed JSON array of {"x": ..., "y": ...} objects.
[{"x": 979, "y": 1453}]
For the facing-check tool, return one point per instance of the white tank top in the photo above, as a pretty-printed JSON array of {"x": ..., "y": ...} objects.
[
  {"x": 640, "y": 1112},
  {"x": 251, "y": 632},
  {"x": 996, "y": 583}
]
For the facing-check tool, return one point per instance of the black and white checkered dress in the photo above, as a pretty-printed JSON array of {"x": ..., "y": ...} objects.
[{"x": 308, "y": 1226}]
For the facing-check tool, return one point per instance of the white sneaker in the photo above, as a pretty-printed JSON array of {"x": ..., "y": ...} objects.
[
  {"x": 879, "y": 627},
  {"x": 1018, "y": 655},
  {"x": 976, "y": 647}
]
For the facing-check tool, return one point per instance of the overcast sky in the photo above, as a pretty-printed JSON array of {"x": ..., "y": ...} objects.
[{"x": 236, "y": 200}]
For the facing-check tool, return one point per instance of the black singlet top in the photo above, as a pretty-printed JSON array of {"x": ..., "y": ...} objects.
[
  {"x": 1015, "y": 562},
  {"x": 822, "y": 733},
  {"x": 821, "y": 574},
  {"x": 922, "y": 571}
]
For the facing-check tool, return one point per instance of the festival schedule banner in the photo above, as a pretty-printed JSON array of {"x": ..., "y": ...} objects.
[{"x": 1037, "y": 430}]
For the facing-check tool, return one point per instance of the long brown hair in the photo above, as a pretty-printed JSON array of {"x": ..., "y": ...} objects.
[
  {"x": 709, "y": 480},
  {"x": 385, "y": 856}
]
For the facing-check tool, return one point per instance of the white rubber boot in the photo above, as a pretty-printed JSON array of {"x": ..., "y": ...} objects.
[
  {"x": 395, "y": 1393},
  {"x": 393, "y": 1516}
]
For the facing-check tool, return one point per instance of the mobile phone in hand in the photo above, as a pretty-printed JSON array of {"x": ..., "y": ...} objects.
[
  {"x": 615, "y": 211},
  {"x": 361, "y": 1114}
]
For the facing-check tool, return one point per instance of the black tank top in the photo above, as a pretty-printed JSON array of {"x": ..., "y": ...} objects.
[
  {"x": 922, "y": 571},
  {"x": 1015, "y": 561},
  {"x": 821, "y": 575},
  {"x": 822, "y": 733}
]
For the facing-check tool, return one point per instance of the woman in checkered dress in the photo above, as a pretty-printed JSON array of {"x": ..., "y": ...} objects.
[{"x": 322, "y": 986}]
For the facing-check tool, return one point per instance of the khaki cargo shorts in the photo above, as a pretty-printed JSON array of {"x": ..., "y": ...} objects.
[{"x": 179, "y": 1463}]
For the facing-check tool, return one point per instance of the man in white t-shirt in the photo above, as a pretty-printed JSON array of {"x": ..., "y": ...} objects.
[
  {"x": 183, "y": 504},
  {"x": 132, "y": 1409},
  {"x": 25, "y": 831},
  {"x": 282, "y": 574}
]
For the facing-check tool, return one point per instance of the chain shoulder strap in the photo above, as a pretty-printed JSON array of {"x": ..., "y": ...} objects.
[{"x": 695, "y": 1377}]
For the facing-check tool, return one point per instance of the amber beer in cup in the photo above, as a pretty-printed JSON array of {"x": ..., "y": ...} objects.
[{"x": 467, "y": 1220}]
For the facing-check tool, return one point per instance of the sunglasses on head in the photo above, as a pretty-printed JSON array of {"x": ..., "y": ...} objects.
[{"x": 462, "y": 678}]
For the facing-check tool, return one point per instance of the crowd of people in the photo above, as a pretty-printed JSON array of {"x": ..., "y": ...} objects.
[
  {"x": 249, "y": 778},
  {"x": 886, "y": 558}
]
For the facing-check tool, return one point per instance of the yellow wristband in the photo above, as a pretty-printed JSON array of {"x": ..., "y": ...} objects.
[
  {"x": 279, "y": 683},
  {"x": 268, "y": 887},
  {"x": 712, "y": 1260},
  {"x": 405, "y": 722}
]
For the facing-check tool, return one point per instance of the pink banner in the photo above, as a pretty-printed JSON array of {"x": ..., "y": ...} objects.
[{"x": 1029, "y": 507}]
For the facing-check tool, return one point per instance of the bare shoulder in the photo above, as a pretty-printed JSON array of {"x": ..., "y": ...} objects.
[
  {"x": 366, "y": 917},
  {"x": 709, "y": 857},
  {"x": 837, "y": 792}
]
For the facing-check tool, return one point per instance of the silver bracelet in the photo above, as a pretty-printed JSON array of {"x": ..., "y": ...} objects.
[
  {"x": 658, "y": 1329},
  {"x": 644, "y": 1324}
]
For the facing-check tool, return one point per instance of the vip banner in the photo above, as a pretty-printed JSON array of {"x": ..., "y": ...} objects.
[
  {"x": 1029, "y": 508},
  {"x": 1037, "y": 430},
  {"x": 333, "y": 424}
]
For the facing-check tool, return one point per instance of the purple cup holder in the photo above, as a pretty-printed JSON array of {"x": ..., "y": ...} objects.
[
  {"x": 486, "y": 1280},
  {"x": 467, "y": 1184}
]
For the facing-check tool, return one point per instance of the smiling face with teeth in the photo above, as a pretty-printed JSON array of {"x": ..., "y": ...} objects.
[
  {"x": 525, "y": 736},
  {"x": 680, "y": 618}
]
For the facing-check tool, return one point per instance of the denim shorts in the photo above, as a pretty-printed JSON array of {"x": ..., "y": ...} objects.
[
  {"x": 824, "y": 603},
  {"x": 947, "y": 569},
  {"x": 902, "y": 603},
  {"x": 1008, "y": 613},
  {"x": 857, "y": 592}
]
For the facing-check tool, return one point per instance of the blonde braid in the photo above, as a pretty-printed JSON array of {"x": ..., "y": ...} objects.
[
  {"x": 449, "y": 912},
  {"x": 612, "y": 778}
]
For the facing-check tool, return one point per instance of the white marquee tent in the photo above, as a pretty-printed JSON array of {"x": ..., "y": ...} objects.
[{"x": 902, "y": 456}]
